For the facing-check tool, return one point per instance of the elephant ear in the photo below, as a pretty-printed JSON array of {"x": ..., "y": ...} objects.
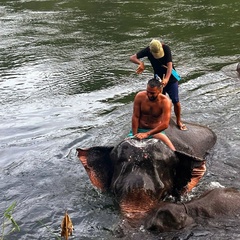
[
  {"x": 184, "y": 169},
  {"x": 97, "y": 163}
]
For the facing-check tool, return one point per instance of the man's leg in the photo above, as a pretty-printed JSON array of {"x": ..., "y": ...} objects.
[
  {"x": 164, "y": 139},
  {"x": 177, "y": 111},
  {"x": 172, "y": 90}
]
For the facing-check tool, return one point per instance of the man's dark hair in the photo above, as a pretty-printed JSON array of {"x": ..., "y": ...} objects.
[{"x": 154, "y": 83}]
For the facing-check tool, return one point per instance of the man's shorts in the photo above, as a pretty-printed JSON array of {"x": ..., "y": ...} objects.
[
  {"x": 141, "y": 130},
  {"x": 172, "y": 90}
]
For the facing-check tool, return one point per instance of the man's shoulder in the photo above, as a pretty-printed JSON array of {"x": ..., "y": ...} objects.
[
  {"x": 141, "y": 93},
  {"x": 143, "y": 52},
  {"x": 164, "y": 98},
  {"x": 165, "y": 46}
]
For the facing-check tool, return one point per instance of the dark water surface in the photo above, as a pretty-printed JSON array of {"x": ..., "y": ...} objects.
[{"x": 66, "y": 82}]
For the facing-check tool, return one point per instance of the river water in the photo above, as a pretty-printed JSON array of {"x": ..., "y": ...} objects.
[{"x": 66, "y": 82}]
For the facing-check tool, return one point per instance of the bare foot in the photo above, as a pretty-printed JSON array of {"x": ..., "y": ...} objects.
[{"x": 182, "y": 127}]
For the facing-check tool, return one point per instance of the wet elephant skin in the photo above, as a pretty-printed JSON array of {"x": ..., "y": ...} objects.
[
  {"x": 214, "y": 204},
  {"x": 140, "y": 173}
]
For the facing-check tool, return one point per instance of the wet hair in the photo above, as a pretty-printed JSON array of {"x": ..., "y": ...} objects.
[{"x": 154, "y": 83}]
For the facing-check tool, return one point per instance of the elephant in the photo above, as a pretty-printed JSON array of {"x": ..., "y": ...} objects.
[
  {"x": 140, "y": 173},
  {"x": 238, "y": 68},
  {"x": 213, "y": 203}
]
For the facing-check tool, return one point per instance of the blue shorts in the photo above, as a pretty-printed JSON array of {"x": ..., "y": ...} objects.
[
  {"x": 142, "y": 130},
  {"x": 172, "y": 90}
]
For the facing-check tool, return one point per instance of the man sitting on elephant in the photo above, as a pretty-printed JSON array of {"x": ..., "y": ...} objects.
[{"x": 151, "y": 114}]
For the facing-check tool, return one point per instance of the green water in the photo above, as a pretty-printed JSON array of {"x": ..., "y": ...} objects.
[{"x": 66, "y": 81}]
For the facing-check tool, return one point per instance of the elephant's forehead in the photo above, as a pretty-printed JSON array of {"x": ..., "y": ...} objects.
[
  {"x": 144, "y": 145},
  {"x": 144, "y": 148},
  {"x": 141, "y": 143}
]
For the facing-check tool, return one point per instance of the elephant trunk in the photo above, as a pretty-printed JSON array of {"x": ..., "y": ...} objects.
[{"x": 137, "y": 204}]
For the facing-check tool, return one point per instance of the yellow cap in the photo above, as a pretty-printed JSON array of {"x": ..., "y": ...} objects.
[{"x": 156, "y": 49}]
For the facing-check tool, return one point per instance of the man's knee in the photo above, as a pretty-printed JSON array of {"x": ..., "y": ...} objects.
[{"x": 160, "y": 136}]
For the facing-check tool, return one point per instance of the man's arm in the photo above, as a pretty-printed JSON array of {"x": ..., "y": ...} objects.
[
  {"x": 136, "y": 113},
  {"x": 168, "y": 74},
  {"x": 141, "y": 66},
  {"x": 168, "y": 57}
]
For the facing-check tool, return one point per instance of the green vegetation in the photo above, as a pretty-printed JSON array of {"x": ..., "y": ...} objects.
[
  {"x": 7, "y": 220},
  {"x": 50, "y": 230}
]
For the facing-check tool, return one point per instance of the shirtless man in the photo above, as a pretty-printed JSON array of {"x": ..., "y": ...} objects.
[{"x": 151, "y": 114}]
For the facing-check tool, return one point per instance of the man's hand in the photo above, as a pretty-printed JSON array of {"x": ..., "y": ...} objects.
[
  {"x": 141, "y": 136},
  {"x": 140, "y": 68},
  {"x": 164, "y": 82}
]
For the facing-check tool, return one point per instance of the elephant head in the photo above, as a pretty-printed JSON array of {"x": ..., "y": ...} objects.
[
  {"x": 213, "y": 204},
  {"x": 138, "y": 173},
  {"x": 168, "y": 217}
]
